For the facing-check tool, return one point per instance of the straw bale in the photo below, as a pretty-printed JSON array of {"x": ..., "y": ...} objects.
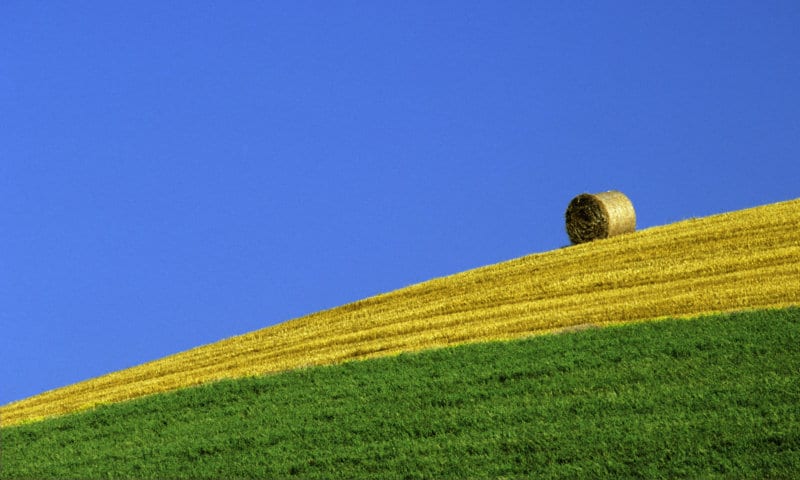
[{"x": 600, "y": 215}]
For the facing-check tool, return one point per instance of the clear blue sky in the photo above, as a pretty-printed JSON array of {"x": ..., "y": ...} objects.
[{"x": 175, "y": 173}]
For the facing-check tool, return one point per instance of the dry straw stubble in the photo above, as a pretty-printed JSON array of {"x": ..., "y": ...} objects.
[
  {"x": 740, "y": 260},
  {"x": 600, "y": 215}
]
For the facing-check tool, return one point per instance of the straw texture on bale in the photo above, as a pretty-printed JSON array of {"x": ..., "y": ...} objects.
[{"x": 600, "y": 215}]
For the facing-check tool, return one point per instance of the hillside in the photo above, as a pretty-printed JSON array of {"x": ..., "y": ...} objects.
[
  {"x": 715, "y": 397},
  {"x": 748, "y": 259}
]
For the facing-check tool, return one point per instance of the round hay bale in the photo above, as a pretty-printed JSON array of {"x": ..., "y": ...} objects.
[{"x": 600, "y": 215}]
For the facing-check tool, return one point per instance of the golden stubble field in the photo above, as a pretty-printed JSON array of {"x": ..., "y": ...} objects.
[{"x": 747, "y": 259}]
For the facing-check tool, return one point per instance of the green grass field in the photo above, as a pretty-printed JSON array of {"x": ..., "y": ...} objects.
[{"x": 716, "y": 397}]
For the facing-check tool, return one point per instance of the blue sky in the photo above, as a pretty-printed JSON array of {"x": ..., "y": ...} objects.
[{"x": 175, "y": 173}]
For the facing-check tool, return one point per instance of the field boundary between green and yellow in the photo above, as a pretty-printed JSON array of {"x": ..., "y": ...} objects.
[
  {"x": 710, "y": 397},
  {"x": 748, "y": 259}
]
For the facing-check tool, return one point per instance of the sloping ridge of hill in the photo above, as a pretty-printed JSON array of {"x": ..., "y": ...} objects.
[{"x": 748, "y": 259}]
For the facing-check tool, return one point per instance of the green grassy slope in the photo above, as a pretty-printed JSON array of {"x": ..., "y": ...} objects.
[{"x": 713, "y": 397}]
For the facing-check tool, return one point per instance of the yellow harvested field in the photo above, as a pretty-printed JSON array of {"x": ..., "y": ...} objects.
[{"x": 741, "y": 260}]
